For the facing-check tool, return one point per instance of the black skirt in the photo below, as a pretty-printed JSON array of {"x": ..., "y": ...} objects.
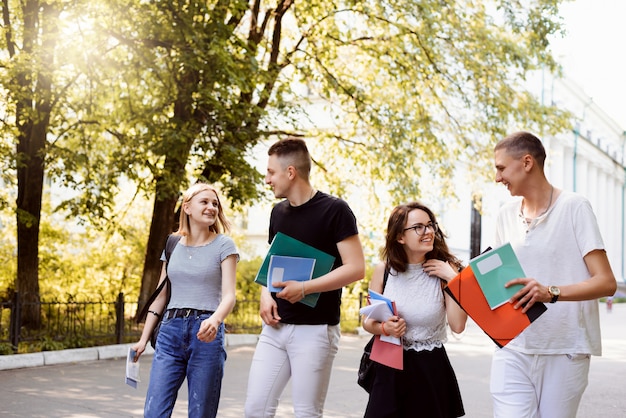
[{"x": 427, "y": 387}]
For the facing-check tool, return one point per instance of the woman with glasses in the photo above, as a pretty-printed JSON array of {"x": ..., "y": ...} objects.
[{"x": 417, "y": 264}]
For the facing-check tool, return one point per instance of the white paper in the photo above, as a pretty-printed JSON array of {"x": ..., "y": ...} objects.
[
  {"x": 132, "y": 369},
  {"x": 378, "y": 310}
]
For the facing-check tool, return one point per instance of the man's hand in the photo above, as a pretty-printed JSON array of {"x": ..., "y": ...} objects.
[
  {"x": 293, "y": 290},
  {"x": 532, "y": 292},
  {"x": 268, "y": 309}
]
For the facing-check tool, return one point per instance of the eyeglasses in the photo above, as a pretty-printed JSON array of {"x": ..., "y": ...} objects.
[{"x": 420, "y": 229}]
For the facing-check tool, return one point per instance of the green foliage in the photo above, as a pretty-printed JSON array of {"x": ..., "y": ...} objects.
[
  {"x": 8, "y": 257},
  {"x": 150, "y": 95},
  {"x": 49, "y": 344},
  {"x": 245, "y": 315},
  {"x": 417, "y": 87},
  {"x": 79, "y": 264},
  {"x": 246, "y": 272},
  {"x": 5, "y": 349}
]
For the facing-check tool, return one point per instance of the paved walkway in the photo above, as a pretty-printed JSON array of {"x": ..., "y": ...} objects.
[{"x": 97, "y": 389}]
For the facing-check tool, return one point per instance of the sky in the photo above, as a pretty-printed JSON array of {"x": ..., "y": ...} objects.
[{"x": 593, "y": 52}]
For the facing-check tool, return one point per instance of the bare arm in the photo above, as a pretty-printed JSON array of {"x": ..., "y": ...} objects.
[
  {"x": 158, "y": 305},
  {"x": 208, "y": 328},
  {"x": 395, "y": 325},
  {"x": 457, "y": 317},
  {"x": 268, "y": 309},
  {"x": 601, "y": 283}
]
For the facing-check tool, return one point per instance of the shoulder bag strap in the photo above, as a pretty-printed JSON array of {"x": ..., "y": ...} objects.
[{"x": 172, "y": 240}]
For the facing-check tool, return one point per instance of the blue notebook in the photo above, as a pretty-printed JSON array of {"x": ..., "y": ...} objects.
[
  {"x": 285, "y": 245},
  {"x": 284, "y": 268}
]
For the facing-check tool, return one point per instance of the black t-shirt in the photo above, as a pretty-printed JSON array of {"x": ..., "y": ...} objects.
[{"x": 322, "y": 222}]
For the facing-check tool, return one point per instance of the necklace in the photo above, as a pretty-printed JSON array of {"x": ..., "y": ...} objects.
[
  {"x": 529, "y": 220},
  {"x": 191, "y": 251}
]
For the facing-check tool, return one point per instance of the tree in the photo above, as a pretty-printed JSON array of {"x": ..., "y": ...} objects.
[
  {"x": 174, "y": 91},
  {"x": 412, "y": 86},
  {"x": 30, "y": 31}
]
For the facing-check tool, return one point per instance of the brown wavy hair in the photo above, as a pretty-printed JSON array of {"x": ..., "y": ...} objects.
[{"x": 393, "y": 253}]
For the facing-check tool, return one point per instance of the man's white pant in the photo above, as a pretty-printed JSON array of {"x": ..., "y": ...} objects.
[
  {"x": 304, "y": 353},
  {"x": 537, "y": 386}
]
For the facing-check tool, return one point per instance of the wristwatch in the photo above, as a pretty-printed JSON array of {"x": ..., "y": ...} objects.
[{"x": 555, "y": 292}]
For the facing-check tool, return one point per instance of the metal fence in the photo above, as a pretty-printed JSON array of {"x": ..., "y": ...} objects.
[{"x": 87, "y": 324}]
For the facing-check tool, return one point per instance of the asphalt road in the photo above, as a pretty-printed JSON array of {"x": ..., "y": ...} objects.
[{"x": 97, "y": 388}]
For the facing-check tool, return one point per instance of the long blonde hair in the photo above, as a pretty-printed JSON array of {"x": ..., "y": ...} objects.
[{"x": 220, "y": 224}]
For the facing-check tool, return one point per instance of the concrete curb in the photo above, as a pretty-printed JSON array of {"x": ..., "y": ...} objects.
[{"x": 105, "y": 352}]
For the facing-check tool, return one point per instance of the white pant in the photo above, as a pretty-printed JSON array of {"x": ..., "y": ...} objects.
[
  {"x": 303, "y": 352},
  {"x": 537, "y": 385}
]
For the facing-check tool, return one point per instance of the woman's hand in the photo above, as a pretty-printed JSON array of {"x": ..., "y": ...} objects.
[
  {"x": 208, "y": 329},
  {"x": 139, "y": 347},
  {"x": 440, "y": 269},
  {"x": 394, "y": 326}
]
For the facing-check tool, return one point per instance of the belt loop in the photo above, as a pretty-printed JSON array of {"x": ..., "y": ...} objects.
[{"x": 188, "y": 312}]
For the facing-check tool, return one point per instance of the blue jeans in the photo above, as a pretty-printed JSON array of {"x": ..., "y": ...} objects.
[{"x": 180, "y": 354}]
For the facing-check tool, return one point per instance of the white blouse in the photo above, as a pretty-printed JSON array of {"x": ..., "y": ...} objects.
[{"x": 420, "y": 301}]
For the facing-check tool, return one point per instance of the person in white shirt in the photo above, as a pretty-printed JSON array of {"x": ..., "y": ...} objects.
[{"x": 543, "y": 372}]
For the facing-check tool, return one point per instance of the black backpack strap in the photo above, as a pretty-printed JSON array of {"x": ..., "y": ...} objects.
[
  {"x": 385, "y": 277},
  {"x": 170, "y": 244}
]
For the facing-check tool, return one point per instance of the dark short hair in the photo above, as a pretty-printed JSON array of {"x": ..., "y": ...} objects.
[
  {"x": 521, "y": 143},
  {"x": 294, "y": 152},
  {"x": 393, "y": 252}
]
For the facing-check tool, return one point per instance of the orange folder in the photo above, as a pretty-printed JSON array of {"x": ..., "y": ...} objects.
[{"x": 501, "y": 324}]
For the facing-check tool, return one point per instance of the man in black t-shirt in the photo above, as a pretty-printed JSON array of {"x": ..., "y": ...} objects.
[{"x": 298, "y": 341}]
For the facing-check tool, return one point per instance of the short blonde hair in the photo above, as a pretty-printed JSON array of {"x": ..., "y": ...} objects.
[{"x": 220, "y": 224}]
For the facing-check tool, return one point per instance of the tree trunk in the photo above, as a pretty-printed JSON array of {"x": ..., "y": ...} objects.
[
  {"x": 33, "y": 107},
  {"x": 29, "y": 192},
  {"x": 167, "y": 189},
  {"x": 162, "y": 225}
]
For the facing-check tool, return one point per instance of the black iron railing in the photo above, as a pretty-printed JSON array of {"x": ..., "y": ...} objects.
[{"x": 94, "y": 323}]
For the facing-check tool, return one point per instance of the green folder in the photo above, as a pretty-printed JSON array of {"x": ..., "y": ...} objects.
[
  {"x": 493, "y": 269},
  {"x": 287, "y": 246}
]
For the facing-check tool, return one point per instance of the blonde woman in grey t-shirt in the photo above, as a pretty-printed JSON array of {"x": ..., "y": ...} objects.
[{"x": 190, "y": 343}]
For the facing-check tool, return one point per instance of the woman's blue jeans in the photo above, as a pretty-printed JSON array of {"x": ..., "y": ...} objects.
[{"x": 180, "y": 354}]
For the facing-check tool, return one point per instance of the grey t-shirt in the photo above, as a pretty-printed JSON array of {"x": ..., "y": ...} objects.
[{"x": 196, "y": 273}]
